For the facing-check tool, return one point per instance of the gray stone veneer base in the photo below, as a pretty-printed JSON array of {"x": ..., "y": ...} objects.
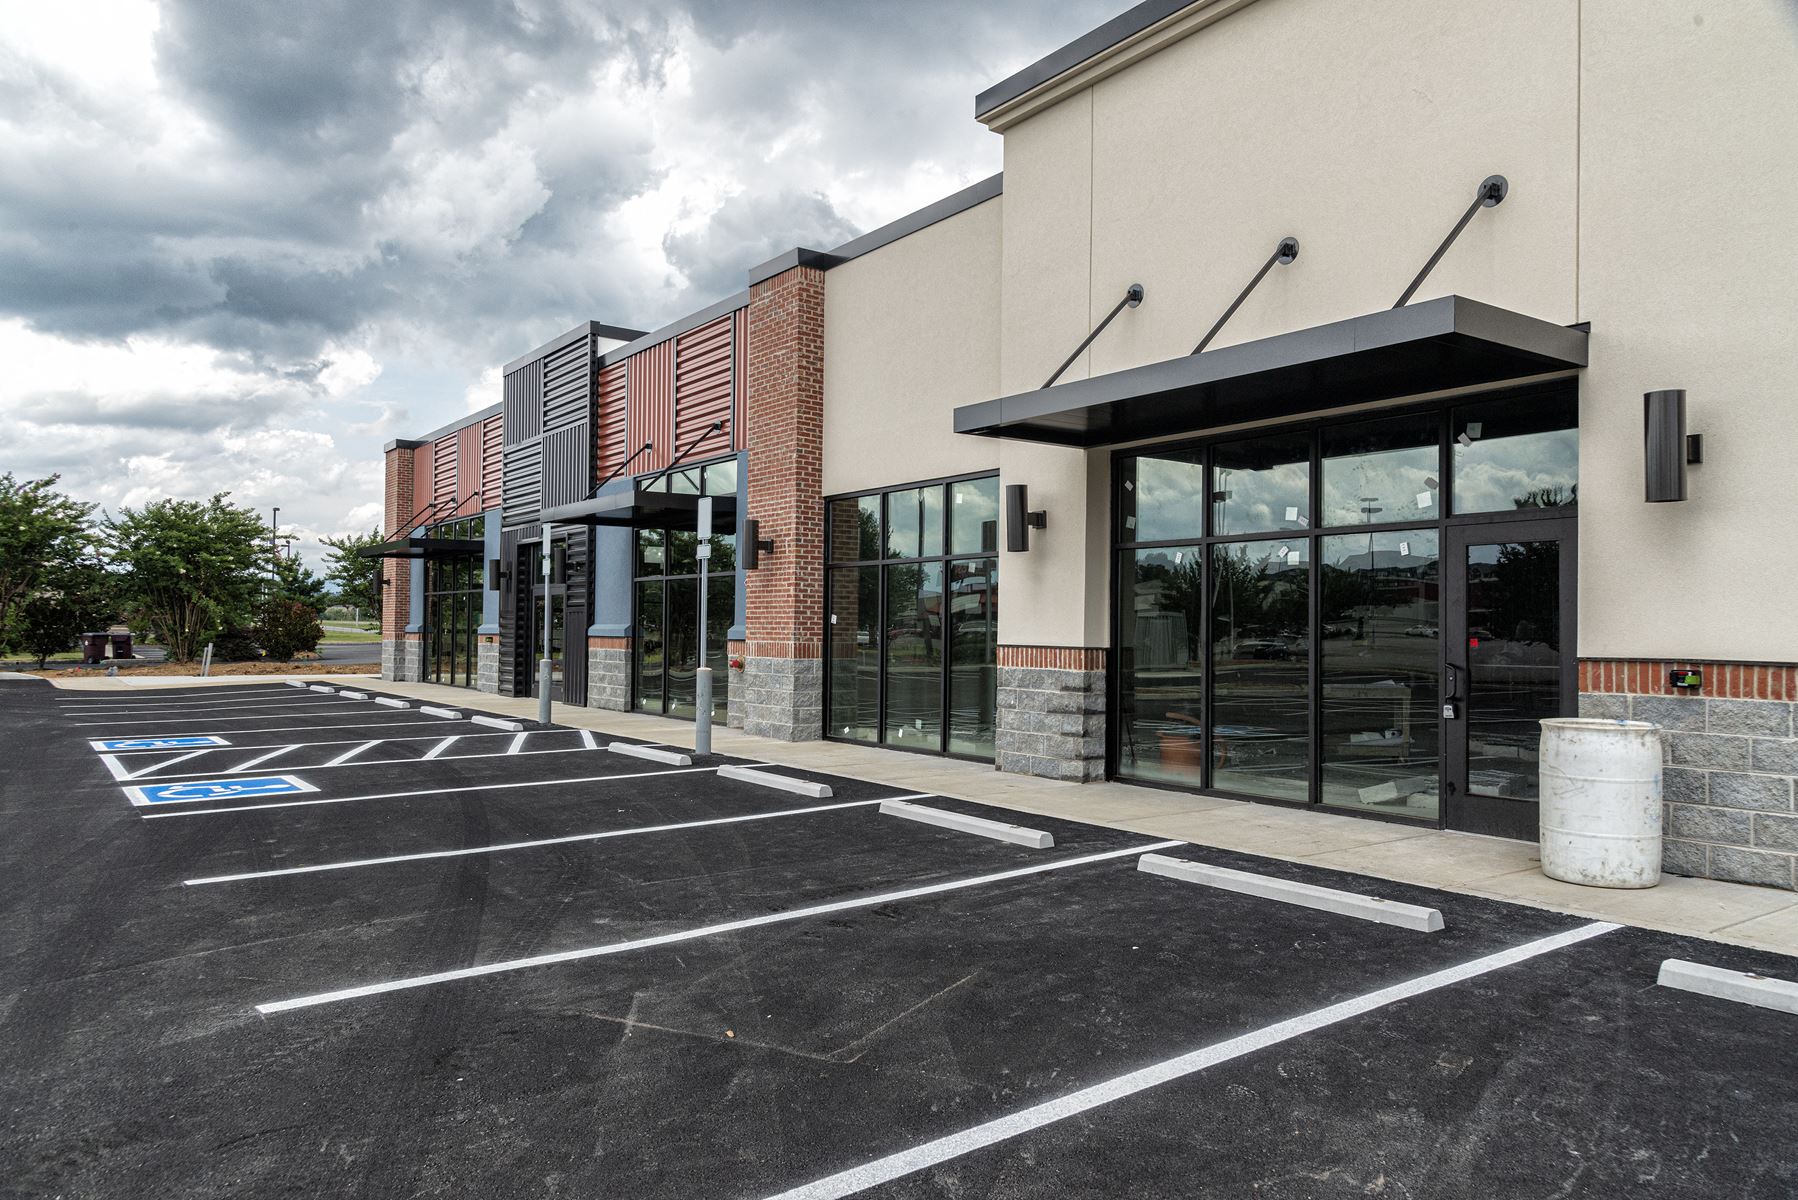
[
  {"x": 403, "y": 660},
  {"x": 783, "y": 698},
  {"x": 1051, "y": 723},
  {"x": 1727, "y": 784},
  {"x": 486, "y": 668},
  {"x": 609, "y": 678}
]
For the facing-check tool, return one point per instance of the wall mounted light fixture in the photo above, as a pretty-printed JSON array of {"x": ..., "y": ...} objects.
[
  {"x": 1666, "y": 447},
  {"x": 1019, "y": 520},
  {"x": 754, "y": 544}
]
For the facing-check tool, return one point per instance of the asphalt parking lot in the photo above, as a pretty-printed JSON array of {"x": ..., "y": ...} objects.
[{"x": 272, "y": 941}]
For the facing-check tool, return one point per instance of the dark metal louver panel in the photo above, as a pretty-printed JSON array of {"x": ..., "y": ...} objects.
[
  {"x": 524, "y": 403},
  {"x": 523, "y": 482},
  {"x": 508, "y": 614},
  {"x": 702, "y": 374},
  {"x": 566, "y": 474},
  {"x": 613, "y": 409},
  {"x": 568, "y": 385}
]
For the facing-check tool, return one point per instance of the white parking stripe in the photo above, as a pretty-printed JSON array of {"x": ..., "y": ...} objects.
[
  {"x": 168, "y": 762},
  {"x": 440, "y": 747},
  {"x": 478, "y": 787},
  {"x": 370, "y": 762},
  {"x": 352, "y": 752},
  {"x": 208, "y": 706},
  {"x": 284, "y": 729},
  {"x": 517, "y": 743},
  {"x": 428, "y": 737},
  {"x": 978, "y": 1137},
  {"x": 68, "y": 702},
  {"x": 277, "y": 752},
  {"x": 274, "y": 716},
  {"x": 587, "y": 739},
  {"x": 555, "y": 841},
  {"x": 687, "y": 935}
]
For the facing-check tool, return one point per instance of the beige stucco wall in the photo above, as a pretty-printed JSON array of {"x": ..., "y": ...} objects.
[
  {"x": 911, "y": 330},
  {"x": 1688, "y": 271}
]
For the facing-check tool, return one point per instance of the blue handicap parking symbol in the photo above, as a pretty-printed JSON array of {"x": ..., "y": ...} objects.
[
  {"x": 156, "y": 743},
  {"x": 194, "y": 791}
]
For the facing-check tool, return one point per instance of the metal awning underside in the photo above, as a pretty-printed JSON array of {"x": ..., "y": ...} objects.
[
  {"x": 425, "y": 547},
  {"x": 1434, "y": 345},
  {"x": 641, "y": 508}
]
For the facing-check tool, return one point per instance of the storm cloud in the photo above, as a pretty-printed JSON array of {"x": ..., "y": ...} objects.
[{"x": 241, "y": 245}]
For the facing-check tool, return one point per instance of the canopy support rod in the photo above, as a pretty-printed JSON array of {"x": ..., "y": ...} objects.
[
  {"x": 1491, "y": 194},
  {"x": 691, "y": 446},
  {"x": 618, "y": 470},
  {"x": 1285, "y": 252},
  {"x": 1132, "y": 297}
]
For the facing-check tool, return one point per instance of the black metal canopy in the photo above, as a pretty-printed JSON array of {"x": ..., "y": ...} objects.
[
  {"x": 1451, "y": 342},
  {"x": 642, "y": 508},
  {"x": 424, "y": 547}
]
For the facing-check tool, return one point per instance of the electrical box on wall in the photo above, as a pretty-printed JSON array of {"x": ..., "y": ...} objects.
[{"x": 1685, "y": 679}]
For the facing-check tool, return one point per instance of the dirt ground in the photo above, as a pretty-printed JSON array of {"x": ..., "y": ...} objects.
[{"x": 237, "y": 668}]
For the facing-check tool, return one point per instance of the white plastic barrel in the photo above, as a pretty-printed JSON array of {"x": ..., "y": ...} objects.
[{"x": 1601, "y": 802}]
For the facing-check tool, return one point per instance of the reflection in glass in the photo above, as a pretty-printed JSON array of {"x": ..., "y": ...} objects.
[
  {"x": 1519, "y": 453},
  {"x": 685, "y": 481},
  {"x": 1161, "y": 497},
  {"x": 915, "y": 522},
  {"x": 854, "y": 628},
  {"x": 680, "y": 634},
  {"x": 649, "y": 645},
  {"x": 1262, "y": 485},
  {"x": 1514, "y": 663},
  {"x": 1260, "y": 619},
  {"x": 855, "y": 529},
  {"x": 973, "y": 654},
  {"x": 651, "y": 554},
  {"x": 974, "y": 516},
  {"x": 1163, "y": 664},
  {"x": 1381, "y": 671},
  {"x": 1382, "y": 471},
  {"x": 914, "y": 675},
  {"x": 721, "y": 478}
]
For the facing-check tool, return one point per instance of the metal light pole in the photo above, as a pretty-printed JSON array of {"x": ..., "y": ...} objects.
[
  {"x": 545, "y": 665},
  {"x": 702, "y": 678}
]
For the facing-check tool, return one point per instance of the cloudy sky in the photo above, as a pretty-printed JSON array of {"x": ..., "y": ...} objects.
[{"x": 243, "y": 245}]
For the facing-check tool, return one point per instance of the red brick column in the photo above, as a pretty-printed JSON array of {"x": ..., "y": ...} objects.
[
  {"x": 397, "y": 659},
  {"x": 783, "y": 670}
]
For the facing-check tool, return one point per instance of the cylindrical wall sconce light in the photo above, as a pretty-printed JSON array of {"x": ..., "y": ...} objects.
[{"x": 1664, "y": 444}]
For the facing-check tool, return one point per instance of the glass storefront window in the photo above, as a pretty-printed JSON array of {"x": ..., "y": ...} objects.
[
  {"x": 973, "y": 605},
  {"x": 1261, "y": 696},
  {"x": 1162, "y": 497},
  {"x": 1516, "y": 454},
  {"x": 854, "y": 629},
  {"x": 855, "y": 529},
  {"x": 912, "y": 631},
  {"x": 915, "y": 523},
  {"x": 1513, "y": 663},
  {"x": 1161, "y": 646},
  {"x": 1261, "y": 486},
  {"x": 721, "y": 478},
  {"x": 974, "y": 517},
  {"x": 453, "y": 594},
  {"x": 1382, "y": 471},
  {"x": 1380, "y": 671},
  {"x": 667, "y": 604}
]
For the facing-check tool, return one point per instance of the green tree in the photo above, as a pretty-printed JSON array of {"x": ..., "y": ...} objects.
[
  {"x": 354, "y": 575},
  {"x": 288, "y": 627},
  {"x": 42, "y": 532},
  {"x": 294, "y": 580},
  {"x": 188, "y": 567},
  {"x": 48, "y": 624}
]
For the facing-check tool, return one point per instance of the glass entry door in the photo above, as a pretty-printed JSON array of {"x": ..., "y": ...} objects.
[{"x": 1508, "y": 662}]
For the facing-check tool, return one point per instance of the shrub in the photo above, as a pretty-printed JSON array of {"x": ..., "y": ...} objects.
[
  {"x": 288, "y": 627},
  {"x": 234, "y": 644}
]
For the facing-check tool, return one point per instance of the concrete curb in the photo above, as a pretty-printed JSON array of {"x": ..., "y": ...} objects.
[
  {"x": 1036, "y": 839},
  {"x": 1761, "y": 991},
  {"x": 1305, "y": 895},
  {"x": 671, "y": 757},
  {"x": 781, "y": 783}
]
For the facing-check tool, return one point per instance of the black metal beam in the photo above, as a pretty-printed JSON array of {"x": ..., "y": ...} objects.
[
  {"x": 1284, "y": 253},
  {"x": 1492, "y": 192},
  {"x": 1132, "y": 297}
]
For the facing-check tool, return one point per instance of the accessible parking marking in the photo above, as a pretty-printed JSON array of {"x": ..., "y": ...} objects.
[
  {"x": 477, "y": 787},
  {"x": 173, "y": 743},
  {"x": 555, "y": 841},
  {"x": 704, "y": 931},
  {"x": 197, "y": 791},
  {"x": 977, "y": 1137}
]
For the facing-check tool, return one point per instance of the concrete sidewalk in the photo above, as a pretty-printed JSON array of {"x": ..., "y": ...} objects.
[{"x": 1763, "y": 918}]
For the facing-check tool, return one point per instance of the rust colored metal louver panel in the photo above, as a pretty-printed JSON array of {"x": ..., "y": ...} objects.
[
  {"x": 651, "y": 408},
  {"x": 611, "y": 426}
]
